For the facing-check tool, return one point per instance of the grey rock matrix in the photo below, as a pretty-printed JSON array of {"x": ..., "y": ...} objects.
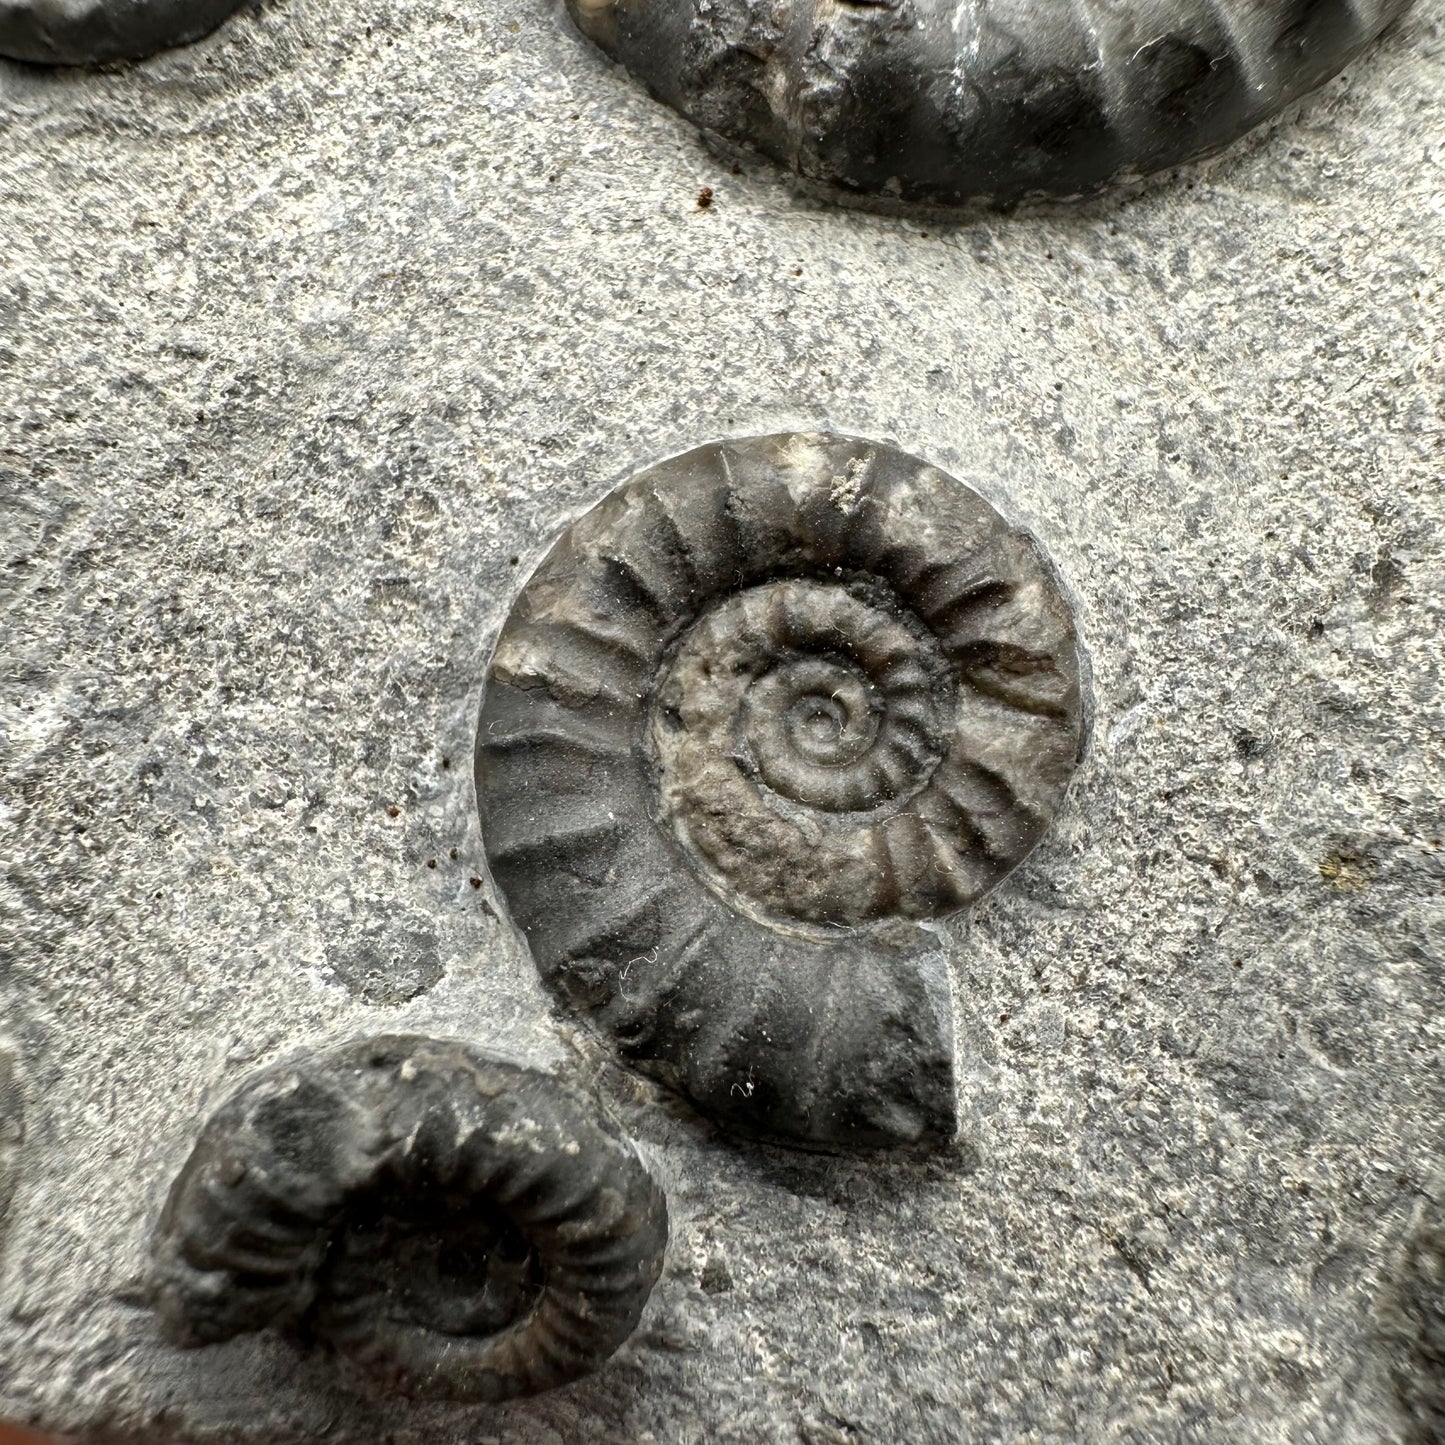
[{"x": 316, "y": 336}]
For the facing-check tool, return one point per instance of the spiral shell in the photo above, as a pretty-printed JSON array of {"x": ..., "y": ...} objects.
[
  {"x": 91, "y": 32},
  {"x": 759, "y": 714},
  {"x": 986, "y": 100},
  {"x": 463, "y": 1228}
]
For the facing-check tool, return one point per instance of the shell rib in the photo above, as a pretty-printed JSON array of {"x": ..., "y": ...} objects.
[
  {"x": 995, "y": 101},
  {"x": 759, "y": 714},
  {"x": 463, "y": 1228}
]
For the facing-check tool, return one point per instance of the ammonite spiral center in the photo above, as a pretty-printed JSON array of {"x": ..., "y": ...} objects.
[
  {"x": 817, "y": 709},
  {"x": 786, "y": 711},
  {"x": 453, "y": 1265}
]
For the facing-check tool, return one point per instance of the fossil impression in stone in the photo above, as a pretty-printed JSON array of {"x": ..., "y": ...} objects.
[
  {"x": 460, "y": 1227},
  {"x": 1414, "y": 1319},
  {"x": 759, "y": 716},
  {"x": 991, "y": 101},
  {"x": 92, "y": 32}
]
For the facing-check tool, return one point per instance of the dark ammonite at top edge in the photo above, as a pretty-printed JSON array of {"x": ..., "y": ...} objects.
[
  {"x": 92, "y": 32},
  {"x": 759, "y": 715},
  {"x": 942, "y": 103},
  {"x": 460, "y": 1227}
]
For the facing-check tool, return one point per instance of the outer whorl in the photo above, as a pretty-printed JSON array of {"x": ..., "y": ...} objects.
[
  {"x": 463, "y": 1228},
  {"x": 759, "y": 714},
  {"x": 942, "y": 104}
]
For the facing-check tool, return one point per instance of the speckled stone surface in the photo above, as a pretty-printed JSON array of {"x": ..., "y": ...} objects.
[{"x": 312, "y": 338}]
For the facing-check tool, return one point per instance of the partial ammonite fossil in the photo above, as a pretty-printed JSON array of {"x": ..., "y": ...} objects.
[
  {"x": 12, "y": 1133},
  {"x": 91, "y": 32},
  {"x": 463, "y": 1228},
  {"x": 936, "y": 103},
  {"x": 759, "y": 716},
  {"x": 1414, "y": 1319}
]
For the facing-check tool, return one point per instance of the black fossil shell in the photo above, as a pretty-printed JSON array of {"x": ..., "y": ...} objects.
[
  {"x": 1414, "y": 1317},
  {"x": 942, "y": 104},
  {"x": 766, "y": 710},
  {"x": 463, "y": 1228},
  {"x": 91, "y": 32}
]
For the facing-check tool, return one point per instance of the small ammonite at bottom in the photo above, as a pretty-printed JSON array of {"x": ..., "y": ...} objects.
[
  {"x": 459, "y": 1227},
  {"x": 759, "y": 716}
]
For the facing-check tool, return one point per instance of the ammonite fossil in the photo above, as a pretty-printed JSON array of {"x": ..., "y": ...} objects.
[
  {"x": 760, "y": 716},
  {"x": 464, "y": 1228},
  {"x": 940, "y": 104},
  {"x": 91, "y": 32}
]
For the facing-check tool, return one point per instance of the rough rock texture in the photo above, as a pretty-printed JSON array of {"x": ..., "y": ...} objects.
[{"x": 314, "y": 337}]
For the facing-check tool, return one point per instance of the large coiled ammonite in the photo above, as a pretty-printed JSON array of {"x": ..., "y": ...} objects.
[
  {"x": 758, "y": 716},
  {"x": 944, "y": 102},
  {"x": 461, "y": 1227}
]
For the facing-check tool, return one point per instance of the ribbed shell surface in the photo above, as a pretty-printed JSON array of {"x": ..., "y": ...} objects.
[
  {"x": 759, "y": 716},
  {"x": 313, "y": 1173},
  {"x": 941, "y": 104}
]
